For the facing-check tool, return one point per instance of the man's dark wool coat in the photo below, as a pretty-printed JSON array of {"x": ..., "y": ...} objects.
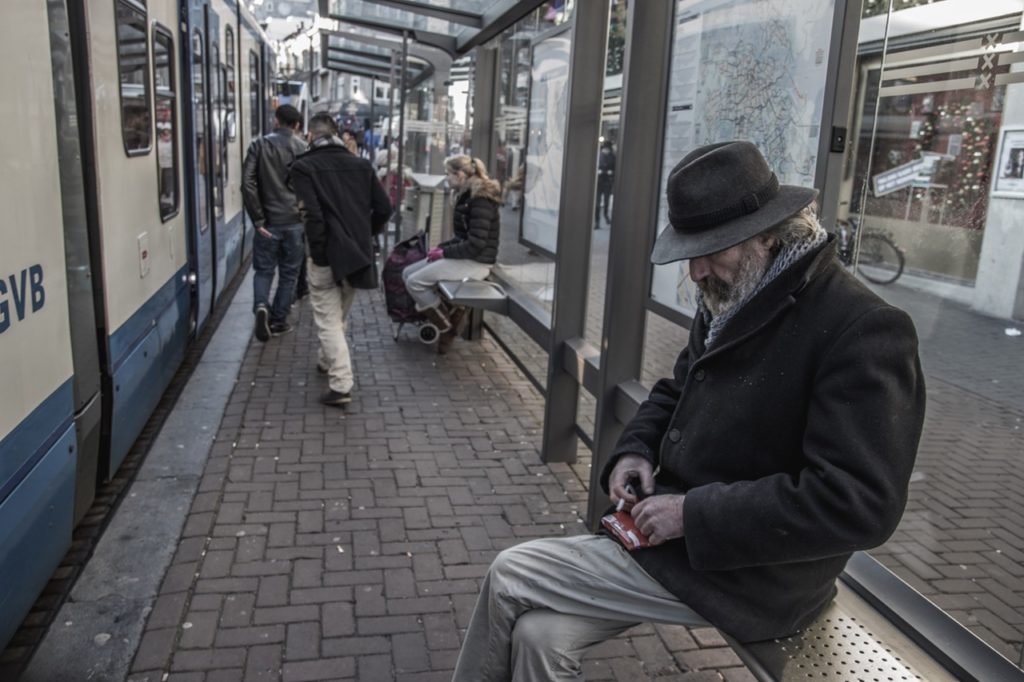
[
  {"x": 793, "y": 438},
  {"x": 342, "y": 204}
]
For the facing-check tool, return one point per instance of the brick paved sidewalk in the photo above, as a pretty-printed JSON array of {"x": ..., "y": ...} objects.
[{"x": 327, "y": 544}]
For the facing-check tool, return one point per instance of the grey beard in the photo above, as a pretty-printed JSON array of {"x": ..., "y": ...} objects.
[{"x": 720, "y": 297}]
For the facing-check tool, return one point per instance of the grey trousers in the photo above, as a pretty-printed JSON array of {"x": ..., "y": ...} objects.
[
  {"x": 544, "y": 602},
  {"x": 331, "y": 305},
  {"x": 421, "y": 278}
]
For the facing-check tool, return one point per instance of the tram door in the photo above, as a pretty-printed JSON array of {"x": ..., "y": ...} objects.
[{"x": 199, "y": 163}]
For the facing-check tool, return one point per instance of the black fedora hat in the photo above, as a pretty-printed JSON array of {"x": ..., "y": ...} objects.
[{"x": 720, "y": 195}]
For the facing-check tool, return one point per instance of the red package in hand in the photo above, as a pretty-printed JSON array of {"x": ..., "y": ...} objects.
[{"x": 622, "y": 527}]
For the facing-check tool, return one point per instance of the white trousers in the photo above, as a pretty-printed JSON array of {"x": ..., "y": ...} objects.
[
  {"x": 331, "y": 305},
  {"x": 422, "y": 277},
  {"x": 544, "y": 602}
]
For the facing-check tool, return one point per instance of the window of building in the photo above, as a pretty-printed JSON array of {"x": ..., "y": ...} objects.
[
  {"x": 166, "y": 122},
  {"x": 230, "y": 125},
  {"x": 133, "y": 67},
  {"x": 254, "y": 94}
]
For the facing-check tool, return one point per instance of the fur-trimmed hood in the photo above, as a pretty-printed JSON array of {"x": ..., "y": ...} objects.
[{"x": 488, "y": 189}]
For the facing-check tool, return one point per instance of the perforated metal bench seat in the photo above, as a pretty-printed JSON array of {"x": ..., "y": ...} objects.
[
  {"x": 849, "y": 641},
  {"x": 474, "y": 293}
]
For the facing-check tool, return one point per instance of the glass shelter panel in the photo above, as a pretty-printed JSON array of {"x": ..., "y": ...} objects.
[
  {"x": 744, "y": 69},
  {"x": 530, "y": 269},
  {"x": 932, "y": 210},
  {"x": 545, "y": 146}
]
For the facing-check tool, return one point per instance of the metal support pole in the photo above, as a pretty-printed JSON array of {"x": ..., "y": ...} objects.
[
  {"x": 575, "y": 223},
  {"x": 391, "y": 118},
  {"x": 400, "y": 187},
  {"x": 373, "y": 110},
  {"x": 645, "y": 75},
  {"x": 485, "y": 105}
]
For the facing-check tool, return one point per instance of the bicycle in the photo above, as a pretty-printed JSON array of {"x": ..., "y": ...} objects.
[{"x": 879, "y": 259}]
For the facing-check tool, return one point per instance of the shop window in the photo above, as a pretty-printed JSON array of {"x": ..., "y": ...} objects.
[
  {"x": 133, "y": 69},
  {"x": 166, "y": 122}
]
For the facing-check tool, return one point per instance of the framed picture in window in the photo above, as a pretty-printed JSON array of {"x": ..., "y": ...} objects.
[{"x": 1009, "y": 170}]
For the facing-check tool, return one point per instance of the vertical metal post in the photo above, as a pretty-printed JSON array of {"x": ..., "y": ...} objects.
[
  {"x": 485, "y": 105},
  {"x": 373, "y": 110},
  {"x": 390, "y": 139},
  {"x": 575, "y": 222},
  {"x": 400, "y": 186},
  {"x": 634, "y": 222},
  {"x": 842, "y": 63}
]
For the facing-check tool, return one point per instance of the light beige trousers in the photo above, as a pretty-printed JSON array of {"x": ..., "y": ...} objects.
[
  {"x": 544, "y": 602},
  {"x": 331, "y": 304}
]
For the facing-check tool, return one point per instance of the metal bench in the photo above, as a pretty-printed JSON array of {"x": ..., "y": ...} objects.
[
  {"x": 475, "y": 293},
  {"x": 877, "y": 629}
]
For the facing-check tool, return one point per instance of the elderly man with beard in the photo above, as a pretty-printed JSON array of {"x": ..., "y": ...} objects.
[{"x": 783, "y": 443}]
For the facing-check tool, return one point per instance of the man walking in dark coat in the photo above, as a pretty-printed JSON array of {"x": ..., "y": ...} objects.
[
  {"x": 343, "y": 205},
  {"x": 271, "y": 204},
  {"x": 783, "y": 443}
]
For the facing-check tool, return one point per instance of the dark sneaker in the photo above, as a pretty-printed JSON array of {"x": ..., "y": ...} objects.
[
  {"x": 262, "y": 330},
  {"x": 280, "y": 328},
  {"x": 335, "y": 398}
]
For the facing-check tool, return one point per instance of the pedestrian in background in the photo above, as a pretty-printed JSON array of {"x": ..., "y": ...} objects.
[
  {"x": 343, "y": 205},
  {"x": 348, "y": 138},
  {"x": 271, "y": 204},
  {"x": 605, "y": 181}
]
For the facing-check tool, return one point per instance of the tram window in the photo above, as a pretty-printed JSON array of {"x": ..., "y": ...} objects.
[
  {"x": 199, "y": 111},
  {"x": 166, "y": 122},
  {"x": 216, "y": 94},
  {"x": 229, "y": 90},
  {"x": 133, "y": 67},
  {"x": 254, "y": 94}
]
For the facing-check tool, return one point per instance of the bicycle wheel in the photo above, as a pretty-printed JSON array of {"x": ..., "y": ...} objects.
[{"x": 880, "y": 260}]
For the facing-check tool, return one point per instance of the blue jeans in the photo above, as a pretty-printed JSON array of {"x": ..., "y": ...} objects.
[{"x": 283, "y": 251}]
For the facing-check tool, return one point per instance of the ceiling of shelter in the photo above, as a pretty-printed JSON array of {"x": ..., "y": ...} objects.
[{"x": 454, "y": 26}]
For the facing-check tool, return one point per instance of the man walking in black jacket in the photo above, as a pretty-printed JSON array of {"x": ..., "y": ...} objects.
[
  {"x": 343, "y": 205},
  {"x": 783, "y": 443},
  {"x": 271, "y": 204}
]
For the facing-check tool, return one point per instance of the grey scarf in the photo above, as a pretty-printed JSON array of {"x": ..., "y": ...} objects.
[
  {"x": 325, "y": 141},
  {"x": 785, "y": 258}
]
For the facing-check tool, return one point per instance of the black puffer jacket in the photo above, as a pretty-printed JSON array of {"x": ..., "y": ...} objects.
[
  {"x": 265, "y": 190},
  {"x": 477, "y": 229}
]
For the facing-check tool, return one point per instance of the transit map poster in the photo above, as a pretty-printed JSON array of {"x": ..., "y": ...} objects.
[
  {"x": 549, "y": 80},
  {"x": 743, "y": 70}
]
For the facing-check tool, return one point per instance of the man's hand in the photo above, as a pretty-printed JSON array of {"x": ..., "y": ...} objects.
[
  {"x": 660, "y": 518},
  {"x": 265, "y": 232},
  {"x": 630, "y": 467},
  {"x": 436, "y": 253}
]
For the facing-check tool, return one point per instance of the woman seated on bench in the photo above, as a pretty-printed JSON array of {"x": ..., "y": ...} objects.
[{"x": 471, "y": 253}]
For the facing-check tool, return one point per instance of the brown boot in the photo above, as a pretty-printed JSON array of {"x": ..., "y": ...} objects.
[
  {"x": 436, "y": 316},
  {"x": 459, "y": 318}
]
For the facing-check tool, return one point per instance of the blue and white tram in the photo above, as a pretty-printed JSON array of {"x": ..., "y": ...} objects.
[{"x": 123, "y": 225}]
